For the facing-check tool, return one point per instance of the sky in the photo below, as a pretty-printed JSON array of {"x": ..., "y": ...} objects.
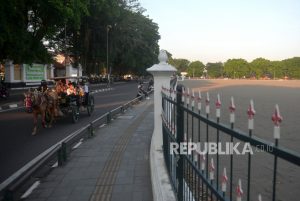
[{"x": 218, "y": 30}]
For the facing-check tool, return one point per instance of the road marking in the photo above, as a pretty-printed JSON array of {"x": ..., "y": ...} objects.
[
  {"x": 125, "y": 117},
  {"x": 55, "y": 165},
  {"x": 30, "y": 190},
  {"x": 13, "y": 106},
  {"x": 101, "y": 126},
  {"x": 78, "y": 144}
]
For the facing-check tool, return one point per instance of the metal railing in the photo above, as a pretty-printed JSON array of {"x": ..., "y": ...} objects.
[
  {"x": 196, "y": 175},
  {"x": 57, "y": 155}
]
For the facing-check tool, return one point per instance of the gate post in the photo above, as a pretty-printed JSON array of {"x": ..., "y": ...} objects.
[
  {"x": 161, "y": 185},
  {"x": 162, "y": 73}
]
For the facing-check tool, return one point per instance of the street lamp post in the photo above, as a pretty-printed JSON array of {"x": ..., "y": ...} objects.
[{"x": 108, "y": 69}]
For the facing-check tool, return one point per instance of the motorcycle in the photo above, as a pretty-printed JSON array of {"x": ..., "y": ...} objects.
[
  {"x": 141, "y": 92},
  {"x": 4, "y": 93}
]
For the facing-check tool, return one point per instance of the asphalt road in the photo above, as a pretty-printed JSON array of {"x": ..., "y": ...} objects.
[{"x": 18, "y": 146}]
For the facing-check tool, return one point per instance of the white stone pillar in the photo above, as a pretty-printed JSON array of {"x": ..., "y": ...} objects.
[
  {"x": 51, "y": 71},
  {"x": 79, "y": 70},
  {"x": 162, "y": 189},
  {"x": 162, "y": 73},
  {"x": 68, "y": 70}
]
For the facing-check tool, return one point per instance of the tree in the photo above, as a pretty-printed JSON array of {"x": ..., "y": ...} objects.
[
  {"x": 180, "y": 64},
  {"x": 236, "y": 68},
  {"x": 26, "y": 25},
  {"x": 195, "y": 69},
  {"x": 215, "y": 70},
  {"x": 291, "y": 67},
  {"x": 261, "y": 67},
  {"x": 79, "y": 28}
]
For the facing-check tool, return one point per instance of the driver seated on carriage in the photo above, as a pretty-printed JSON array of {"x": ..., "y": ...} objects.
[{"x": 43, "y": 87}]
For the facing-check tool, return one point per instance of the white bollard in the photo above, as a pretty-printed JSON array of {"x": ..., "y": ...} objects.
[
  {"x": 224, "y": 180},
  {"x": 277, "y": 119},
  {"x": 251, "y": 112},
  {"x": 218, "y": 106},
  {"x": 207, "y": 109},
  {"x": 239, "y": 191},
  {"x": 199, "y": 101},
  {"x": 232, "y": 110}
]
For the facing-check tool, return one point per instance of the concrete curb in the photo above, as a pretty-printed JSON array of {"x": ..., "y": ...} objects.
[{"x": 161, "y": 186}]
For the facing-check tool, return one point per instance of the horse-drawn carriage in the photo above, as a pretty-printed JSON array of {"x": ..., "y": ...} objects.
[
  {"x": 71, "y": 104},
  {"x": 69, "y": 97}
]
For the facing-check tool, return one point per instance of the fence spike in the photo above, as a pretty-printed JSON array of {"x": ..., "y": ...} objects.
[
  {"x": 207, "y": 103},
  {"x": 188, "y": 96},
  {"x": 224, "y": 180},
  {"x": 232, "y": 110},
  {"x": 199, "y": 100},
  {"x": 202, "y": 162},
  {"x": 218, "y": 106},
  {"x": 277, "y": 119},
  {"x": 212, "y": 169},
  {"x": 259, "y": 197},
  {"x": 182, "y": 95},
  {"x": 196, "y": 157},
  {"x": 251, "y": 112},
  {"x": 193, "y": 98},
  {"x": 239, "y": 191}
]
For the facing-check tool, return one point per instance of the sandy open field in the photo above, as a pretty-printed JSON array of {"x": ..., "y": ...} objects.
[
  {"x": 215, "y": 83},
  {"x": 265, "y": 95}
]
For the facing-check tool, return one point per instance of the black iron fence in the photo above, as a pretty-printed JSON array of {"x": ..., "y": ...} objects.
[
  {"x": 201, "y": 174},
  {"x": 57, "y": 155}
]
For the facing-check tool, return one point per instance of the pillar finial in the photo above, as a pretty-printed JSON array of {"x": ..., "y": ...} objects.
[{"x": 163, "y": 57}]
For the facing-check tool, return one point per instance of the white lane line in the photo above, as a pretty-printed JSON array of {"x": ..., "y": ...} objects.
[
  {"x": 101, "y": 126},
  {"x": 30, "y": 190},
  {"x": 78, "y": 144},
  {"x": 55, "y": 165},
  {"x": 13, "y": 106}
]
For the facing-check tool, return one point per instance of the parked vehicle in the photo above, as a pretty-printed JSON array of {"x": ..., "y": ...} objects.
[{"x": 4, "y": 92}]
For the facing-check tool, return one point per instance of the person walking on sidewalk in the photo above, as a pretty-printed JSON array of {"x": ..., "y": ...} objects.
[{"x": 141, "y": 91}]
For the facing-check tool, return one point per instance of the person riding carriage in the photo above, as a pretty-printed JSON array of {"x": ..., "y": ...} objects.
[{"x": 43, "y": 87}]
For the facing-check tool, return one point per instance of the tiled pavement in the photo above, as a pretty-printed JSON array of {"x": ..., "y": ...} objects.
[{"x": 112, "y": 166}]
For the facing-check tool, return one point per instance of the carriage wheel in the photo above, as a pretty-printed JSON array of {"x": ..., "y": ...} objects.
[
  {"x": 75, "y": 114},
  {"x": 90, "y": 106}
]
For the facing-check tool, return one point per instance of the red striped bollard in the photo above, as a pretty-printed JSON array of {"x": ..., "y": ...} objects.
[
  {"x": 251, "y": 112},
  {"x": 232, "y": 111},
  {"x": 239, "y": 191},
  {"x": 218, "y": 107},
  {"x": 224, "y": 182},
  {"x": 199, "y": 101},
  {"x": 193, "y": 99},
  {"x": 207, "y": 109},
  {"x": 277, "y": 119}
]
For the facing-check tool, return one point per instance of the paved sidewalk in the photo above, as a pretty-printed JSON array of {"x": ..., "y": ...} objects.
[{"x": 114, "y": 165}]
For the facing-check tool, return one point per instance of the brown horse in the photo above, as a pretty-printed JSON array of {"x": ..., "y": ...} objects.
[
  {"x": 52, "y": 106},
  {"x": 39, "y": 107},
  {"x": 43, "y": 103}
]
